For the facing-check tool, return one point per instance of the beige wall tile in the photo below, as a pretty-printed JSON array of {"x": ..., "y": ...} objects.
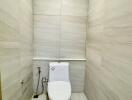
[
  {"x": 16, "y": 49},
  {"x": 73, "y": 34},
  {"x": 108, "y": 71},
  {"x": 47, "y": 7},
  {"x": 46, "y": 35},
  {"x": 75, "y": 7}
]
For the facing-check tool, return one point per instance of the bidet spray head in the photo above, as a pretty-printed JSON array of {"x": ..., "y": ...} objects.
[{"x": 39, "y": 69}]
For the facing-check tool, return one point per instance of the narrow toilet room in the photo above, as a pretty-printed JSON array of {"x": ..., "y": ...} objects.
[{"x": 65, "y": 49}]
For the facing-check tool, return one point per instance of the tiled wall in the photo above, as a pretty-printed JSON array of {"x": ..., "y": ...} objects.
[
  {"x": 0, "y": 88},
  {"x": 16, "y": 30},
  {"x": 60, "y": 32},
  {"x": 109, "y": 50},
  {"x": 60, "y": 28}
]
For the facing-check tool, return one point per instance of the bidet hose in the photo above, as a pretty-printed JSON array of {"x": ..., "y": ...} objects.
[
  {"x": 39, "y": 71},
  {"x": 42, "y": 85}
]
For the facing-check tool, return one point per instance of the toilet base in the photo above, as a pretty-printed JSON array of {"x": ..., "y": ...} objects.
[{"x": 51, "y": 99}]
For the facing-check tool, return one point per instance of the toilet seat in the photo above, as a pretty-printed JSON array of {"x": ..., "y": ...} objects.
[{"x": 59, "y": 90}]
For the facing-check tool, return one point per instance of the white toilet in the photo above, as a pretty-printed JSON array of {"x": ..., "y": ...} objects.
[{"x": 59, "y": 86}]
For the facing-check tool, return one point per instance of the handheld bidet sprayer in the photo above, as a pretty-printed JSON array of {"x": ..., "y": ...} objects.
[{"x": 39, "y": 72}]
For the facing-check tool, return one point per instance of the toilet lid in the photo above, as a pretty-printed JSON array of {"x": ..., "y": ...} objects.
[{"x": 59, "y": 90}]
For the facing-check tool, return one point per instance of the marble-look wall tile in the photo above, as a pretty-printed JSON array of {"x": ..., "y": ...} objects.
[
  {"x": 74, "y": 7},
  {"x": 4, "y": 28},
  {"x": 116, "y": 60},
  {"x": 55, "y": 34},
  {"x": 108, "y": 71},
  {"x": 47, "y": 7},
  {"x": 118, "y": 23},
  {"x": 10, "y": 60},
  {"x": 73, "y": 34},
  {"x": 77, "y": 74},
  {"x": 9, "y": 54},
  {"x": 16, "y": 30},
  {"x": 46, "y": 35},
  {"x": 26, "y": 47},
  {"x": 0, "y": 87}
]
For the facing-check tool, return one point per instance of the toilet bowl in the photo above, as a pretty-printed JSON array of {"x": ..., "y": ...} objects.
[
  {"x": 59, "y": 86},
  {"x": 59, "y": 90}
]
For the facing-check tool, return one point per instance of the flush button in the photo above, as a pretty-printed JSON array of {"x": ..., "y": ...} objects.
[{"x": 53, "y": 68}]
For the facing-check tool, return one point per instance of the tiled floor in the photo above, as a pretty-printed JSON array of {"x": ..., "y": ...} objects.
[
  {"x": 78, "y": 96},
  {"x": 75, "y": 96}
]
